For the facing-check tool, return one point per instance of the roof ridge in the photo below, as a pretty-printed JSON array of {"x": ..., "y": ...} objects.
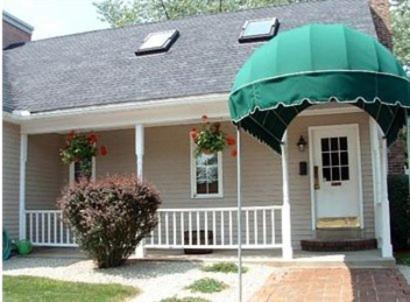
[{"x": 298, "y": 2}]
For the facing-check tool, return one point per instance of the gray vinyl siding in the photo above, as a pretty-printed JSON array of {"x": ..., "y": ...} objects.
[
  {"x": 167, "y": 165},
  {"x": 44, "y": 177},
  {"x": 11, "y": 174}
]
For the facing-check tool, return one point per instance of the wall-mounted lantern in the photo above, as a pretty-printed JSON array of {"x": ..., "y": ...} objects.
[{"x": 301, "y": 144}]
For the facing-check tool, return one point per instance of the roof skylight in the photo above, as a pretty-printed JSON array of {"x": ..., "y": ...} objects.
[
  {"x": 157, "y": 42},
  {"x": 258, "y": 30}
]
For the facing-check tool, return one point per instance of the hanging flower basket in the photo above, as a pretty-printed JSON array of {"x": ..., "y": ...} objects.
[
  {"x": 81, "y": 148},
  {"x": 211, "y": 139}
]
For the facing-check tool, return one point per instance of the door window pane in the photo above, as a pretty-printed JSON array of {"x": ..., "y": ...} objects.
[
  {"x": 335, "y": 158},
  {"x": 325, "y": 144}
]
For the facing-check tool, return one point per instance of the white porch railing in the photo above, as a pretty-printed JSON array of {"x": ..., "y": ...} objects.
[
  {"x": 216, "y": 228},
  {"x": 46, "y": 228}
]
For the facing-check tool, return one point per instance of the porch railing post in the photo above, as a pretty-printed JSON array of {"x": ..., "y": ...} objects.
[
  {"x": 22, "y": 186},
  {"x": 139, "y": 153},
  {"x": 387, "y": 250},
  {"x": 287, "y": 251}
]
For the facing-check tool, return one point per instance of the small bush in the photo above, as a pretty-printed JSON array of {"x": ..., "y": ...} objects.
[
  {"x": 207, "y": 285},
  {"x": 403, "y": 258},
  {"x": 110, "y": 217},
  {"x": 185, "y": 299},
  {"x": 399, "y": 211},
  {"x": 223, "y": 267}
]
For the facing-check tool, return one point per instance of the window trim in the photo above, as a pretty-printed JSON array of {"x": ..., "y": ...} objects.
[
  {"x": 193, "y": 176},
  {"x": 71, "y": 171},
  {"x": 263, "y": 37},
  {"x": 163, "y": 48}
]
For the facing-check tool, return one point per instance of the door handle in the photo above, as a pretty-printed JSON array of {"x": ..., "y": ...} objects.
[{"x": 316, "y": 177}]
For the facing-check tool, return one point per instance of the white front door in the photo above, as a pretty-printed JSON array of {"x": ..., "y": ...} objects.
[{"x": 335, "y": 172}]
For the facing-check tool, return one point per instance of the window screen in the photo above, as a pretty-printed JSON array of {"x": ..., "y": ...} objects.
[
  {"x": 78, "y": 174},
  {"x": 207, "y": 174}
]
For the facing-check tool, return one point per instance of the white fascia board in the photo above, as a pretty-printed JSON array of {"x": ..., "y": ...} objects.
[
  {"x": 8, "y": 117},
  {"x": 150, "y": 113}
]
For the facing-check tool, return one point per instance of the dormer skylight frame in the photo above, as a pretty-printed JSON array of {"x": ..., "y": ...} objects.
[
  {"x": 263, "y": 37},
  {"x": 174, "y": 34}
]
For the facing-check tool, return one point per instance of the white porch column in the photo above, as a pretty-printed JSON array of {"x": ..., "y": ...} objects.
[
  {"x": 375, "y": 142},
  {"x": 287, "y": 251},
  {"x": 22, "y": 186},
  {"x": 387, "y": 250},
  {"x": 139, "y": 153}
]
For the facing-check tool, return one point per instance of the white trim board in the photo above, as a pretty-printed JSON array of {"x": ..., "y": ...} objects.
[
  {"x": 172, "y": 111},
  {"x": 356, "y": 127}
]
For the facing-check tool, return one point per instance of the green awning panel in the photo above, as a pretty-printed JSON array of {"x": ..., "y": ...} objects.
[{"x": 317, "y": 64}]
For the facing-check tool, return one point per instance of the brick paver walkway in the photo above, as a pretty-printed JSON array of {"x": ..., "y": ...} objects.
[{"x": 335, "y": 284}]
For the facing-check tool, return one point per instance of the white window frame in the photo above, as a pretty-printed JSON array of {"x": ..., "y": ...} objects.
[
  {"x": 194, "y": 193},
  {"x": 72, "y": 172}
]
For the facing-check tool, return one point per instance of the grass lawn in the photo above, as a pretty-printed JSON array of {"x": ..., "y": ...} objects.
[
  {"x": 223, "y": 267},
  {"x": 207, "y": 285},
  {"x": 26, "y": 288},
  {"x": 403, "y": 258}
]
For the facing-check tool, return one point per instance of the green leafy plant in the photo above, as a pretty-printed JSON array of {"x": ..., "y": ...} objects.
[
  {"x": 185, "y": 299},
  {"x": 207, "y": 285},
  {"x": 110, "y": 217},
  {"x": 81, "y": 148},
  {"x": 223, "y": 267},
  {"x": 211, "y": 139},
  {"x": 403, "y": 258},
  {"x": 398, "y": 189}
]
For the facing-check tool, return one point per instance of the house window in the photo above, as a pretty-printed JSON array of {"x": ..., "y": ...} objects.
[
  {"x": 258, "y": 30},
  {"x": 206, "y": 175},
  {"x": 76, "y": 173},
  {"x": 157, "y": 42}
]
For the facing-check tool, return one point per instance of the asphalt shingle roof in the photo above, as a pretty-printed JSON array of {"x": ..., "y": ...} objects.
[{"x": 100, "y": 67}]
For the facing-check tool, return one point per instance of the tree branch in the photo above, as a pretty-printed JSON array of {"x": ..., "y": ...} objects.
[{"x": 165, "y": 9}]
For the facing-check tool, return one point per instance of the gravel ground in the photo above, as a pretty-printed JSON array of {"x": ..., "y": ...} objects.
[
  {"x": 405, "y": 270},
  {"x": 156, "y": 279}
]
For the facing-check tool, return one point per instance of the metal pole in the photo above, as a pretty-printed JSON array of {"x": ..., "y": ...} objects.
[
  {"x": 408, "y": 146},
  {"x": 238, "y": 187}
]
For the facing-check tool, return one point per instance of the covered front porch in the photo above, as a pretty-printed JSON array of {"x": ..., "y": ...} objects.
[{"x": 183, "y": 218}]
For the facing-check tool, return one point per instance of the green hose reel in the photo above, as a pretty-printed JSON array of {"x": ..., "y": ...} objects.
[
  {"x": 24, "y": 247},
  {"x": 7, "y": 246}
]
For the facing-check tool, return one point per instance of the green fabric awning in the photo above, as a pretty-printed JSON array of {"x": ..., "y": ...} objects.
[{"x": 317, "y": 64}]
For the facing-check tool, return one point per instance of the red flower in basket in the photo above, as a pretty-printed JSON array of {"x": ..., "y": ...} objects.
[
  {"x": 194, "y": 134},
  {"x": 70, "y": 135},
  {"x": 103, "y": 150},
  {"x": 230, "y": 141},
  {"x": 92, "y": 138}
]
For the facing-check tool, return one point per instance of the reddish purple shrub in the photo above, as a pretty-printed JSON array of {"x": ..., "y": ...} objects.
[{"x": 110, "y": 217}]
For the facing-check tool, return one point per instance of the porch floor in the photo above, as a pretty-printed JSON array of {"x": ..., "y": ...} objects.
[{"x": 356, "y": 259}]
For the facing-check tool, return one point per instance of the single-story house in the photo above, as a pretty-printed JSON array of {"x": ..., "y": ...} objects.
[{"x": 310, "y": 177}]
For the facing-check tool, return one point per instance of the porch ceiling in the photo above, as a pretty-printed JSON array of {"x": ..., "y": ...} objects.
[{"x": 318, "y": 64}]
